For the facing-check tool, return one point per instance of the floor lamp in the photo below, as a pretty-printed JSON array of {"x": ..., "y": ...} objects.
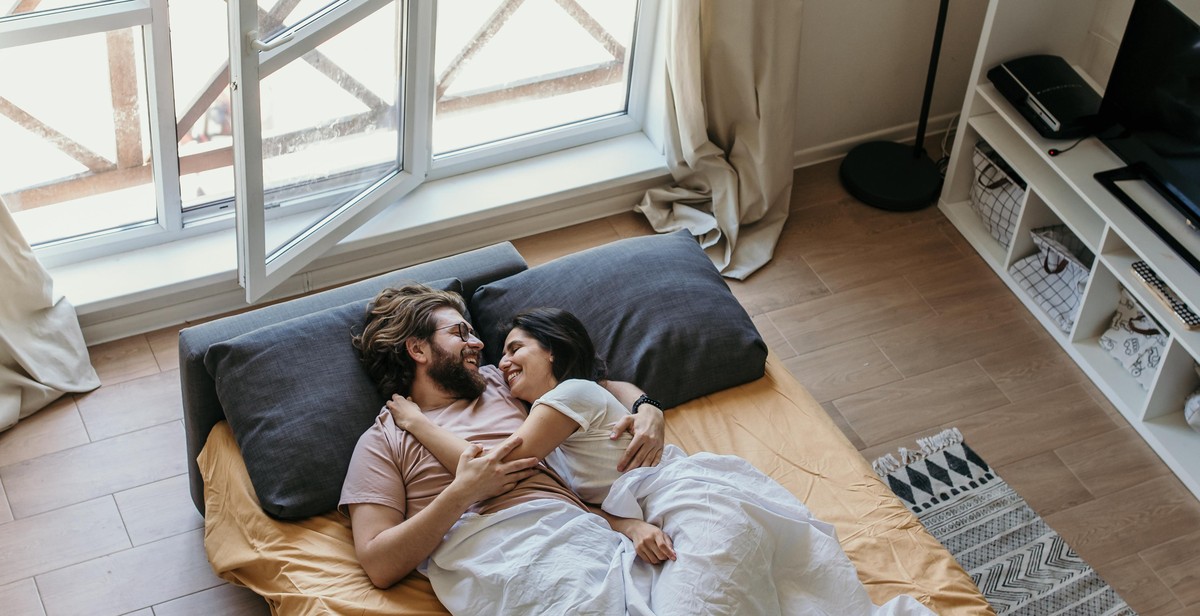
[{"x": 894, "y": 176}]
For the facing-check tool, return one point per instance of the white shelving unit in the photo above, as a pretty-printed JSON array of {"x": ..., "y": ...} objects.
[{"x": 1062, "y": 189}]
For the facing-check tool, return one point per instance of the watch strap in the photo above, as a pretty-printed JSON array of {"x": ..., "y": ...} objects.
[{"x": 644, "y": 399}]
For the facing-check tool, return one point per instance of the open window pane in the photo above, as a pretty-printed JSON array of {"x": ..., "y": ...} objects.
[
  {"x": 80, "y": 168},
  {"x": 330, "y": 122},
  {"x": 319, "y": 146},
  {"x": 506, "y": 68}
]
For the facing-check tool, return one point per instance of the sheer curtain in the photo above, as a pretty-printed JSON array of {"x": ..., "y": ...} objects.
[
  {"x": 731, "y": 72},
  {"x": 42, "y": 353}
]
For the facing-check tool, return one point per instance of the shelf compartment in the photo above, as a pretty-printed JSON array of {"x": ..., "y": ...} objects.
[
  {"x": 1026, "y": 254},
  {"x": 964, "y": 218},
  {"x": 1177, "y": 444},
  {"x": 1035, "y": 215},
  {"x": 1120, "y": 257},
  {"x": 961, "y": 212},
  {"x": 998, "y": 130},
  {"x": 1131, "y": 398},
  {"x": 1095, "y": 318},
  {"x": 1176, "y": 380}
]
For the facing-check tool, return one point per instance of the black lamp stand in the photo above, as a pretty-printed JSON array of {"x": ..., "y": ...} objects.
[{"x": 893, "y": 176}]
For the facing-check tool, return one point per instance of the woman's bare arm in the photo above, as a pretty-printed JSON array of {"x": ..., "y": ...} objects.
[
  {"x": 543, "y": 431},
  {"x": 445, "y": 445}
]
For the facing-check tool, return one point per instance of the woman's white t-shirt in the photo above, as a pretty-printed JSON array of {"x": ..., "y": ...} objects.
[{"x": 587, "y": 460}]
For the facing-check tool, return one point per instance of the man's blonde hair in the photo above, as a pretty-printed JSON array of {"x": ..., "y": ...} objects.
[{"x": 393, "y": 317}]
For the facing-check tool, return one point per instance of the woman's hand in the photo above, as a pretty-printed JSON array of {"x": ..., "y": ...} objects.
[
  {"x": 646, "y": 448},
  {"x": 651, "y": 543},
  {"x": 404, "y": 412}
]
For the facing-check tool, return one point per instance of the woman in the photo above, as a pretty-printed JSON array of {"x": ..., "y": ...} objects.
[{"x": 729, "y": 539}]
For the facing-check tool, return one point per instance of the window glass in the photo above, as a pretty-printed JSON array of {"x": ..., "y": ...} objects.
[
  {"x": 200, "y": 69},
  {"x": 82, "y": 167},
  {"x": 505, "y": 68},
  {"x": 330, "y": 122}
]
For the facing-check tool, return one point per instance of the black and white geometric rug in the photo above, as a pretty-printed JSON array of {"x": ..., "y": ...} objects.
[{"x": 1019, "y": 563}]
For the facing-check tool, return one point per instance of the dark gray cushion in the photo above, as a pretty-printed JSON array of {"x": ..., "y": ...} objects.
[
  {"x": 297, "y": 398},
  {"x": 656, "y": 308}
]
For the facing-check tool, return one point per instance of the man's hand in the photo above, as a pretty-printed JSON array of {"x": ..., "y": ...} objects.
[
  {"x": 646, "y": 449},
  {"x": 404, "y": 412},
  {"x": 650, "y": 542},
  {"x": 481, "y": 476}
]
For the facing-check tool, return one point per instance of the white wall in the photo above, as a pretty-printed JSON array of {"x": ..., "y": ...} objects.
[{"x": 863, "y": 65}]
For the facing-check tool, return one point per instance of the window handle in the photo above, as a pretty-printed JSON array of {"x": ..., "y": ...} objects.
[{"x": 258, "y": 45}]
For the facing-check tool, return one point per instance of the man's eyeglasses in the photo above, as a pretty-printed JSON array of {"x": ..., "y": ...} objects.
[{"x": 462, "y": 330}]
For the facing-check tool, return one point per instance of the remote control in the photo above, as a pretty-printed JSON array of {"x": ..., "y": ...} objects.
[{"x": 1164, "y": 293}]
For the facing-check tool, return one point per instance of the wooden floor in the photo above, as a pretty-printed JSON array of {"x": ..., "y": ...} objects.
[{"x": 890, "y": 320}]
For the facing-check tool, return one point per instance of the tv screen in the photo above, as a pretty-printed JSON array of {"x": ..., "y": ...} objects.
[{"x": 1150, "y": 113}]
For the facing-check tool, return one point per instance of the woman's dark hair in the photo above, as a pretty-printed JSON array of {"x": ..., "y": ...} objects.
[{"x": 564, "y": 336}]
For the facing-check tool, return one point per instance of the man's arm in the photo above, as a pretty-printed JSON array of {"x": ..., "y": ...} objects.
[
  {"x": 390, "y": 547},
  {"x": 646, "y": 425}
]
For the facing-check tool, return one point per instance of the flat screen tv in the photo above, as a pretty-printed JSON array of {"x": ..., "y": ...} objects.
[{"x": 1150, "y": 118}]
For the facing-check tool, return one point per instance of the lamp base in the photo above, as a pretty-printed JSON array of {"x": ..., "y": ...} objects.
[{"x": 889, "y": 176}]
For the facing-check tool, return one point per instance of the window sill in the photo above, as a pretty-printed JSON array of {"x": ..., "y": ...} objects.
[{"x": 196, "y": 277}]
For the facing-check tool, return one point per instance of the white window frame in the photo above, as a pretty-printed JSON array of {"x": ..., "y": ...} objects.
[
  {"x": 261, "y": 270},
  {"x": 152, "y": 17},
  {"x": 174, "y": 224}
]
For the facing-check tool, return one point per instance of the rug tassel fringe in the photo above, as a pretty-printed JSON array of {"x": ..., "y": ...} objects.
[
  {"x": 886, "y": 465},
  {"x": 933, "y": 444},
  {"x": 929, "y": 445}
]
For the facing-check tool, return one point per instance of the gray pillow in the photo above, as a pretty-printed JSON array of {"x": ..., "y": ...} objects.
[
  {"x": 297, "y": 398},
  {"x": 656, "y": 308}
]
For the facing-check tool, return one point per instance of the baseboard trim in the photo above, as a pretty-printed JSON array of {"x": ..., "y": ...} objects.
[{"x": 837, "y": 149}]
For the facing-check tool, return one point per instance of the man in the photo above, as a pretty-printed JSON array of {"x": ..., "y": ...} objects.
[{"x": 400, "y": 500}]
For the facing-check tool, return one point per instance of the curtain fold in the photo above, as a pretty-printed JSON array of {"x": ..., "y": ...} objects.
[
  {"x": 731, "y": 75},
  {"x": 42, "y": 351}
]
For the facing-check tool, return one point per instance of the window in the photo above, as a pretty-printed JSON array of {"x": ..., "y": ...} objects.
[
  {"x": 508, "y": 68},
  {"x": 75, "y": 120},
  {"x": 122, "y": 129}
]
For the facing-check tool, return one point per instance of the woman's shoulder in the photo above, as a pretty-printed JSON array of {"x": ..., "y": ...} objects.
[{"x": 580, "y": 388}]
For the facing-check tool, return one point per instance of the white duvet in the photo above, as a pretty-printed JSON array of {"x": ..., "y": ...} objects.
[{"x": 744, "y": 545}]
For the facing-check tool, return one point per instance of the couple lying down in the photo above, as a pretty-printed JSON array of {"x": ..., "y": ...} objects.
[{"x": 450, "y": 481}]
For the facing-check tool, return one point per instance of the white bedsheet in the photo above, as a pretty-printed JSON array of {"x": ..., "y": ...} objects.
[{"x": 744, "y": 545}]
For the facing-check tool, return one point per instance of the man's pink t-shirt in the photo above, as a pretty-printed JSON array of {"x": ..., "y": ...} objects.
[{"x": 390, "y": 467}]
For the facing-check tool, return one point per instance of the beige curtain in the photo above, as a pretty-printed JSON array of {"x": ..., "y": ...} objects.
[
  {"x": 42, "y": 353},
  {"x": 731, "y": 71}
]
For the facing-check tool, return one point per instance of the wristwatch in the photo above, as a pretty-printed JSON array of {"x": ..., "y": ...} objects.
[{"x": 644, "y": 399}]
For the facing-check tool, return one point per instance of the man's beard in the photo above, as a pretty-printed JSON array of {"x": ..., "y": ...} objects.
[{"x": 448, "y": 371}]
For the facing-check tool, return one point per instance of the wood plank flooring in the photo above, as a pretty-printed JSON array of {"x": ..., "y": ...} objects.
[{"x": 891, "y": 320}]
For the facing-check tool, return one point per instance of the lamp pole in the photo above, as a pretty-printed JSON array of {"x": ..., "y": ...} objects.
[{"x": 892, "y": 176}]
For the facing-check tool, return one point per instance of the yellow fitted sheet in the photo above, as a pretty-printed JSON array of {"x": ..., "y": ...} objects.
[{"x": 309, "y": 567}]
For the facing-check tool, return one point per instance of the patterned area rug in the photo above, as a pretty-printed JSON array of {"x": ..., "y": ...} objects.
[{"x": 1019, "y": 563}]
